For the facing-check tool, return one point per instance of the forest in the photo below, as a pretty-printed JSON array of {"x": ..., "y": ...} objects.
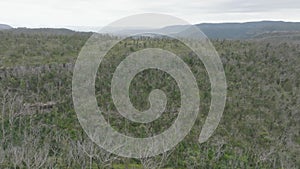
[{"x": 260, "y": 127}]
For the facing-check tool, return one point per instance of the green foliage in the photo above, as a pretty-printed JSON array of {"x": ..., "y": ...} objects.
[
  {"x": 259, "y": 128},
  {"x": 26, "y": 47}
]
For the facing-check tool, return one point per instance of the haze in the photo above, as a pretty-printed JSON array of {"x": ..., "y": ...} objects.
[{"x": 95, "y": 13}]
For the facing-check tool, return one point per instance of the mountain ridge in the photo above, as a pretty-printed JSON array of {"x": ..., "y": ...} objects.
[
  {"x": 246, "y": 30},
  {"x": 230, "y": 30},
  {"x": 4, "y": 26}
]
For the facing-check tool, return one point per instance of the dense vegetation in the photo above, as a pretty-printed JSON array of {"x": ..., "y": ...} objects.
[
  {"x": 260, "y": 127},
  {"x": 39, "y": 46}
]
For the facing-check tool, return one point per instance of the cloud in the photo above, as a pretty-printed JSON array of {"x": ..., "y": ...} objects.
[
  {"x": 246, "y": 6},
  {"x": 59, "y": 13}
]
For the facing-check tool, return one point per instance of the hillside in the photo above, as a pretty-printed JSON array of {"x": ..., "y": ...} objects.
[
  {"x": 3, "y": 27},
  {"x": 39, "y": 46},
  {"x": 42, "y": 31},
  {"x": 233, "y": 31},
  {"x": 279, "y": 37},
  {"x": 238, "y": 31},
  {"x": 246, "y": 30},
  {"x": 39, "y": 126}
]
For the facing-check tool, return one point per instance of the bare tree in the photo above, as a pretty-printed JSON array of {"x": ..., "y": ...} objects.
[
  {"x": 35, "y": 150},
  {"x": 77, "y": 154},
  {"x": 3, "y": 114},
  {"x": 155, "y": 162},
  {"x": 102, "y": 158},
  {"x": 88, "y": 148},
  {"x": 2, "y": 155},
  {"x": 17, "y": 156}
]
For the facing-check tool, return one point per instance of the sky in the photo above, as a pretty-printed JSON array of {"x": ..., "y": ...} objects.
[{"x": 98, "y": 13}]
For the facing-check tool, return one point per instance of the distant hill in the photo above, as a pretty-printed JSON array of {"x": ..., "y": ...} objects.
[
  {"x": 246, "y": 30},
  {"x": 3, "y": 27},
  {"x": 237, "y": 31},
  {"x": 233, "y": 31},
  {"x": 44, "y": 31}
]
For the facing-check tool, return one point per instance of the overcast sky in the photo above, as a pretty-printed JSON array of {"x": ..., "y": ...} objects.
[{"x": 62, "y": 13}]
